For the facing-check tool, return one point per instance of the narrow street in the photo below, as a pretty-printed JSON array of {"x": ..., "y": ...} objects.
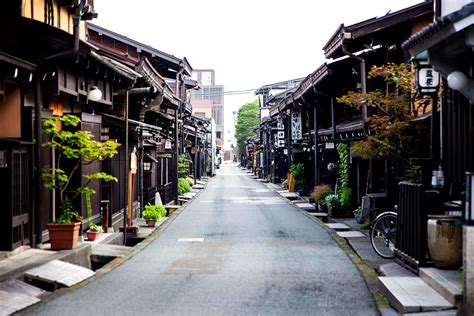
[{"x": 238, "y": 248}]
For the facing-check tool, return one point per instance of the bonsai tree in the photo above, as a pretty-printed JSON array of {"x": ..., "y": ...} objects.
[{"x": 74, "y": 148}]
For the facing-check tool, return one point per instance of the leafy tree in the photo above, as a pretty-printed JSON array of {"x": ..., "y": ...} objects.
[
  {"x": 75, "y": 148},
  {"x": 395, "y": 107},
  {"x": 247, "y": 118}
]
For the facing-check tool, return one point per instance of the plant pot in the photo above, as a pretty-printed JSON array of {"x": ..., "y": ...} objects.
[
  {"x": 339, "y": 212},
  {"x": 92, "y": 235},
  {"x": 445, "y": 240},
  {"x": 63, "y": 236},
  {"x": 151, "y": 222}
]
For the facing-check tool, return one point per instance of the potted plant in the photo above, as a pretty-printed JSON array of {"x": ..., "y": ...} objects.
[
  {"x": 153, "y": 213},
  {"x": 320, "y": 193},
  {"x": 297, "y": 171},
  {"x": 74, "y": 148},
  {"x": 93, "y": 232},
  {"x": 333, "y": 203}
]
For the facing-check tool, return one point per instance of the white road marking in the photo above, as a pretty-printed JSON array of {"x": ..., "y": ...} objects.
[{"x": 190, "y": 239}]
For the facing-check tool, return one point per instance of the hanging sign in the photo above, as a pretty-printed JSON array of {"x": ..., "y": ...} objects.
[
  {"x": 167, "y": 144},
  {"x": 280, "y": 125},
  {"x": 133, "y": 161},
  {"x": 296, "y": 132}
]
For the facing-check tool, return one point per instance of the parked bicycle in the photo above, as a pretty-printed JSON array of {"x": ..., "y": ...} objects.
[{"x": 383, "y": 233}]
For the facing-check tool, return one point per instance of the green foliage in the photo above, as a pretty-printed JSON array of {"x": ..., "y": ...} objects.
[
  {"x": 190, "y": 181},
  {"x": 413, "y": 174},
  {"x": 297, "y": 171},
  {"x": 183, "y": 166},
  {"x": 357, "y": 211},
  {"x": 395, "y": 107},
  {"x": 153, "y": 212},
  {"x": 96, "y": 228},
  {"x": 344, "y": 192},
  {"x": 183, "y": 186},
  {"x": 320, "y": 192},
  {"x": 247, "y": 118},
  {"x": 332, "y": 201},
  {"x": 74, "y": 148}
]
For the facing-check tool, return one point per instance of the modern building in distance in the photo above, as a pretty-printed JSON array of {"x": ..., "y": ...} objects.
[{"x": 208, "y": 102}]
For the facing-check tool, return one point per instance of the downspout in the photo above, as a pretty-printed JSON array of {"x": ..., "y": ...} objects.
[
  {"x": 176, "y": 134},
  {"x": 75, "y": 32},
  {"x": 363, "y": 83},
  {"x": 38, "y": 203}
]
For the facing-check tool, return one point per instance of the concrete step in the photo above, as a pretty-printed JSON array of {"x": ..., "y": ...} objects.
[
  {"x": 445, "y": 282},
  {"x": 350, "y": 234},
  {"x": 17, "y": 286},
  {"x": 198, "y": 186},
  {"x": 306, "y": 206},
  {"x": 58, "y": 273},
  {"x": 412, "y": 294},
  {"x": 13, "y": 302},
  {"x": 290, "y": 195},
  {"x": 338, "y": 226},
  {"x": 106, "y": 253}
]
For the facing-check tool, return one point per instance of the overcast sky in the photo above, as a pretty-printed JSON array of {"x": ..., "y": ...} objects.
[{"x": 249, "y": 43}]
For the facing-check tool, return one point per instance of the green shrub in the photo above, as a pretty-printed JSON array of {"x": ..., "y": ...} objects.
[
  {"x": 153, "y": 212},
  {"x": 332, "y": 201},
  {"x": 183, "y": 186},
  {"x": 297, "y": 171},
  {"x": 320, "y": 192},
  {"x": 190, "y": 181}
]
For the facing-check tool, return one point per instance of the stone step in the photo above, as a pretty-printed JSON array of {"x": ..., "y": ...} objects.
[
  {"x": 106, "y": 253},
  {"x": 17, "y": 286},
  {"x": 412, "y": 294},
  {"x": 198, "y": 186},
  {"x": 445, "y": 282},
  {"x": 13, "y": 302},
  {"x": 58, "y": 273},
  {"x": 306, "y": 206},
  {"x": 338, "y": 226},
  {"x": 350, "y": 234},
  {"x": 290, "y": 195}
]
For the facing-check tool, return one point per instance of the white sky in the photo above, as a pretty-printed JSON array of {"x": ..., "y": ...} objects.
[{"x": 249, "y": 43}]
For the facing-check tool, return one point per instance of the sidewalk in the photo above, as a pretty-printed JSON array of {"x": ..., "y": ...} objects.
[{"x": 356, "y": 243}]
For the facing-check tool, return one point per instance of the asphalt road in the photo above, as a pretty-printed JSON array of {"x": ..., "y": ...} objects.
[{"x": 259, "y": 255}]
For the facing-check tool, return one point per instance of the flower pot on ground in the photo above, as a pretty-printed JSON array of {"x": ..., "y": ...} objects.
[
  {"x": 75, "y": 149},
  {"x": 445, "y": 241}
]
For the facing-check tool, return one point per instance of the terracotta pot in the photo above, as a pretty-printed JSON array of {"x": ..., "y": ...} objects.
[
  {"x": 151, "y": 223},
  {"x": 445, "y": 241},
  {"x": 91, "y": 235},
  {"x": 63, "y": 236}
]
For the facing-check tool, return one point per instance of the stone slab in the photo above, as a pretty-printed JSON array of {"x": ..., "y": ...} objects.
[
  {"x": 445, "y": 282},
  {"x": 306, "y": 206},
  {"x": 338, "y": 226},
  {"x": 17, "y": 286},
  {"x": 59, "y": 272},
  {"x": 13, "y": 302},
  {"x": 392, "y": 269},
  {"x": 198, "y": 186},
  {"x": 350, "y": 234},
  {"x": 290, "y": 195},
  {"x": 106, "y": 253},
  {"x": 318, "y": 214},
  {"x": 408, "y": 294}
]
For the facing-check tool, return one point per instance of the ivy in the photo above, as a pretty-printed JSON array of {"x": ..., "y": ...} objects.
[{"x": 344, "y": 192}]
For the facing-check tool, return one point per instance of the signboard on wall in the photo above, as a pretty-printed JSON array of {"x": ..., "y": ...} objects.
[{"x": 296, "y": 130}]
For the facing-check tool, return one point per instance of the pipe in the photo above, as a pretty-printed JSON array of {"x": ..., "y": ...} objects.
[
  {"x": 363, "y": 80},
  {"x": 75, "y": 32},
  {"x": 38, "y": 203},
  {"x": 125, "y": 212}
]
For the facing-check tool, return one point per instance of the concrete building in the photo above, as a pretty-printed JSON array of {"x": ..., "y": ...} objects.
[{"x": 208, "y": 102}]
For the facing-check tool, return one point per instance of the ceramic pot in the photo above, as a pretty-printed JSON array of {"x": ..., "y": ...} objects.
[
  {"x": 445, "y": 240},
  {"x": 151, "y": 223}
]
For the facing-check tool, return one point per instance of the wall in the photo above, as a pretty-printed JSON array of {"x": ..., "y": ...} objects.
[{"x": 10, "y": 113}]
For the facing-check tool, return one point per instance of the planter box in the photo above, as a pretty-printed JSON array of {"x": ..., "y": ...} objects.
[{"x": 63, "y": 236}]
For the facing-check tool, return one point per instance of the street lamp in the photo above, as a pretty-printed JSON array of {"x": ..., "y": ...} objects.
[
  {"x": 94, "y": 94},
  {"x": 427, "y": 79}
]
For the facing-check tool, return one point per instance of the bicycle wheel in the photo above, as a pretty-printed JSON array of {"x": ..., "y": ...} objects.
[{"x": 383, "y": 234}]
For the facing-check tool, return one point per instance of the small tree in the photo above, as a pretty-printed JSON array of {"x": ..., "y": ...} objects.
[
  {"x": 75, "y": 148},
  {"x": 396, "y": 106}
]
